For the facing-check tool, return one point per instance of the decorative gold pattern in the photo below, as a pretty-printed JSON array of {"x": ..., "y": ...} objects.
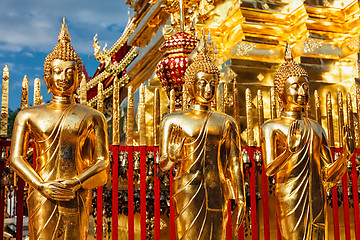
[{"x": 312, "y": 44}]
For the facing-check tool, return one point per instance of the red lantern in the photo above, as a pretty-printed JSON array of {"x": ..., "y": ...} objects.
[{"x": 171, "y": 69}]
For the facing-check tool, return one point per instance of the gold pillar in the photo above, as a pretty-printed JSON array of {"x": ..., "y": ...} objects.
[
  {"x": 83, "y": 91},
  {"x": 330, "y": 124},
  {"x": 260, "y": 108},
  {"x": 273, "y": 104},
  {"x": 249, "y": 119},
  {"x": 37, "y": 92},
  {"x": 157, "y": 116},
  {"x": 172, "y": 101},
  {"x": 340, "y": 107},
  {"x": 141, "y": 116},
  {"x": 317, "y": 107},
  {"x": 100, "y": 98},
  {"x": 130, "y": 117},
  {"x": 4, "y": 103},
  {"x": 25, "y": 93},
  {"x": 115, "y": 113}
]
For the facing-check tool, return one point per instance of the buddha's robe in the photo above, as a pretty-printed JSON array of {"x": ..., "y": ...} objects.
[
  {"x": 62, "y": 153},
  {"x": 300, "y": 189},
  {"x": 205, "y": 178}
]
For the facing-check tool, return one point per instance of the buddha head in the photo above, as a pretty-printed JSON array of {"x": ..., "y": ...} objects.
[
  {"x": 202, "y": 78},
  {"x": 292, "y": 83},
  {"x": 63, "y": 67}
]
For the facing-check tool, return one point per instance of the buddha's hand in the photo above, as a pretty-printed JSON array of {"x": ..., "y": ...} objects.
[
  {"x": 238, "y": 216},
  {"x": 348, "y": 142},
  {"x": 56, "y": 191},
  {"x": 176, "y": 143},
  {"x": 294, "y": 136},
  {"x": 72, "y": 184}
]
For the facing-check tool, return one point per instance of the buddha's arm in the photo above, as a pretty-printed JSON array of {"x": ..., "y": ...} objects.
[
  {"x": 97, "y": 175},
  {"x": 268, "y": 145},
  {"x": 165, "y": 163},
  {"x": 19, "y": 146}
]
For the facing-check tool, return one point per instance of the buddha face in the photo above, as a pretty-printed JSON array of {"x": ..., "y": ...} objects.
[
  {"x": 296, "y": 92},
  {"x": 64, "y": 77},
  {"x": 204, "y": 87}
]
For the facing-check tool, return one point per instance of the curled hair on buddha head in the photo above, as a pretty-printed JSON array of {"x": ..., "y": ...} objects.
[
  {"x": 287, "y": 69},
  {"x": 62, "y": 51},
  {"x": 201, "y": 63}
]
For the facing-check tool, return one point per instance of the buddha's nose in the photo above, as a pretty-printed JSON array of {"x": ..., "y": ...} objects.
[
  {"x": 301, "y": 91},
  {"x": 207, "y": 87}
]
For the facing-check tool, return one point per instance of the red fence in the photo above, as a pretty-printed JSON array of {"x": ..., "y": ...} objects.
[{"x": 259, "y": 193}]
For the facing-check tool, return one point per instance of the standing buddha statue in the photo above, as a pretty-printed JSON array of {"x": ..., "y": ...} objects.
[
  {"x": 72, "y": 151},
  {"x": 296, "y": 151},
  {"x": 204, "y": 145}
]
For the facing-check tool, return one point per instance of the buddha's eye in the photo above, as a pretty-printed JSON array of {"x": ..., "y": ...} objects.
[
  {"x": 305, "y": 86},
  {"x": 294, "y": 86},
  {"x": 56, "y": 70},
  {"x": 70, "y": 71},
  {"x": 213, "y": 83},
  {"x": 202, "y": 82}
]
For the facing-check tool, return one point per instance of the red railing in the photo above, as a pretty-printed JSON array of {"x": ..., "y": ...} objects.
[{"x": 351, "y": 223}]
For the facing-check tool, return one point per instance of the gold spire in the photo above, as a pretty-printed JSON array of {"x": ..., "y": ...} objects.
[
  {"x": 288, "y": 53},
  {"x": 64, "y": 33}
]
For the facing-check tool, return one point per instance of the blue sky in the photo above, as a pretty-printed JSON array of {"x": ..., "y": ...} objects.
[{"x": 29, "y": 30}]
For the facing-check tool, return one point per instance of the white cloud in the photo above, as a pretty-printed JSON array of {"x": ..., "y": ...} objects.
[{"x": 35, "y": 24}]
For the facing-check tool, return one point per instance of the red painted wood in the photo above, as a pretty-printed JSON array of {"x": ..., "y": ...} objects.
[
  {"x": 254, "y": 227},
  {"x": 2, "y": 204},
  {"x": 143, "y": 192},
  {"x": 130, "y": 192},
  {"x": 115, "y": 188},
  {"x": 19, "y": 208},
  {"x": 335, "y": 206},
  {"x": 99, "y": 215},
  {"x": 156, "y": 200},
  {"x": 172, "y": 209},
  {"x": 265, "y": 198},
  {"x": 229, "y": 223},
  {"x": 355, "y": 196}
]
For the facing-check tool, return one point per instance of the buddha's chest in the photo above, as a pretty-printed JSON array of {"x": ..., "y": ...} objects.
[{"x": 60, "y": 125}]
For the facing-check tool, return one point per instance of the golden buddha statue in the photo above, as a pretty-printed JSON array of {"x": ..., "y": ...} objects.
[
  {"x": 204, "y": 145},
  {"x": 72, "y": 151},
  {"x": 296, "y": 151}
]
